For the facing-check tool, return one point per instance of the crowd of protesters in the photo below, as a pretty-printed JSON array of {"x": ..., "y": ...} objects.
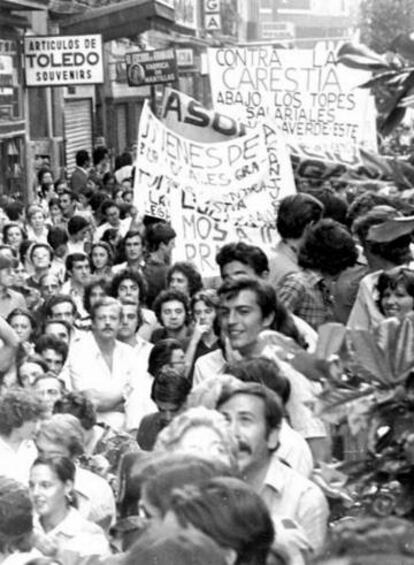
[{"x": 149, "y": 415}]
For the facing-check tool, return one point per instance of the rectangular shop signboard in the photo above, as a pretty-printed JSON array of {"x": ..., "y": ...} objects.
[
  {"x": 63, "y": 60},
  {"x": 151, "y": 67}
]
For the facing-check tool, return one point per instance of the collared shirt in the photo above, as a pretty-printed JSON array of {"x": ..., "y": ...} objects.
[
  {"x": 294, "y": 449},
  {"x": 283, "y": 262},
  {"x": 287, "y": 494},
  {"x": 9, "y": 300},
  {"x": 17, "y": 464},
  {"x": 95, "y": 498},
  {"x": 306, "y": 295},
  {"x": 86, "y": 369},
  {"x": 77, "y": 535},
  {"x": 138, "y": 402}
]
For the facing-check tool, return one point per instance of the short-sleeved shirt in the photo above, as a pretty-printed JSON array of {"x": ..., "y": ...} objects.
[
  {"x": 306, "y": 295},
  {"x": 287, "y": 494}
]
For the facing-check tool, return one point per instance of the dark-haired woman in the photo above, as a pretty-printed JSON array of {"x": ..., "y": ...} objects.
[
  {"x": 61, "y": 531},
  {"x": 396, "y": 292}
]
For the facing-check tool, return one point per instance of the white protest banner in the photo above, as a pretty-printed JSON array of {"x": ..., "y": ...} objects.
[
  {"x": 212, "y": 193},
  {"x": 63, "y": 59},
  {"x": 303, "y": 90}
]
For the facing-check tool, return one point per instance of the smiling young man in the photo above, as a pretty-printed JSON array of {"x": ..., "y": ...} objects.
[
  {"x": 254, "y": 414},
  {"x": 246, "y": 309}
]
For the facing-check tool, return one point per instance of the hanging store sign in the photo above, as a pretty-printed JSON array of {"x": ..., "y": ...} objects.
[
  {"x": 63, "y": 60},
  {"x": 151, "y": 67}
]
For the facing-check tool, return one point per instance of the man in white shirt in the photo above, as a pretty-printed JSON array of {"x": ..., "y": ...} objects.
[
  {"x": 254, "y": 413},
  {"x": 101, "y": 365},
  {"x": 138, "y": 401}
]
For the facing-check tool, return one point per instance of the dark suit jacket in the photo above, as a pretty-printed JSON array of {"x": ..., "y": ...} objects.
[{"x": 78, "y": 179}]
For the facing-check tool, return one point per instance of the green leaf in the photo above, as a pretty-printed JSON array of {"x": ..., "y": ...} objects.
[
  {"x": 330, "y": 340},
  {"x": 368, "y": 355}
]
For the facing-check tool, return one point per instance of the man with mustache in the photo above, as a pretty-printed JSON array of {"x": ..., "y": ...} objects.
[
  {"x": 254, "y": 413},
  {"x": 101, "y": 365}
]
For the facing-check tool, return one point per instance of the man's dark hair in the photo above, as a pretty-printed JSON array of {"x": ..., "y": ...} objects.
[
  {"x": 79, "y": 405},
  {"x": 73, "y": 196},
  {"x": 82, "y": 157},
  {"x": 108, "y": 204},
  {"x": 124, "y": 159},
  {"x": 63, "y": 323},
  {"x": 160, "y": 355},
  {"x": 57, "y": 236},
  {"x": 167, "y": 296},
  {"x": 76, "y": 224},
  {"x": 245, "y": 253},
  {"x": 99, "y": 153},
  {"x": 73, "y": 258},
  {"x": 14, "y": 210},
  {"x": 335, "y": 207},
  {"x": 195, "y": 282},
  {"x": 261, "y": 370},
  {"x": 273, "y": 407},
  {"x": 51, "y": 342},
  {"x": 160, "y": 232},
  {"x": 364, "y": 203},
  {"x": 18, "y": 406},
  {"x": 59, "y": 299},
  {"x": 265, "y": 294},
  {"x": 97, "y": 199},
  {"x": 169, "y": 386},
  {"x": 295, "y": 213},
  {"x": 133, "y": 275},
  {"x": 328, "y": 248}
]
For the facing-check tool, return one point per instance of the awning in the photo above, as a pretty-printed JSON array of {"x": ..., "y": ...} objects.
[
  {"x": 23, "y": 4},
  {"x": 124, "y": 19}
]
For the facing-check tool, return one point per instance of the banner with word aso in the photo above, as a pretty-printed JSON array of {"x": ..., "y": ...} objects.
[
  {"x": 303, "y": 90},
  {"x": 212, "y": 193},
  {"x": 188, "y": 117}
]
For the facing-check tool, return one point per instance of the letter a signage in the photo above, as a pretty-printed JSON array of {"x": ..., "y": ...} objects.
[{"x": 212, "y": 22}]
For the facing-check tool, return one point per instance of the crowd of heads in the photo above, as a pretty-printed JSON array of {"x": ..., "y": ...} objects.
[{"x": 229, "y": 363}]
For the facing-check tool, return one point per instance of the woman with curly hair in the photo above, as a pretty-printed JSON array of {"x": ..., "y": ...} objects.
[
  {"x": 327, "y": 251},
  {"x": 20, "y": 412}
]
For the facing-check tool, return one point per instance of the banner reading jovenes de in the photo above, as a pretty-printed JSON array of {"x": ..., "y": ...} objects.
[{"x": 212, "y": 193}]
